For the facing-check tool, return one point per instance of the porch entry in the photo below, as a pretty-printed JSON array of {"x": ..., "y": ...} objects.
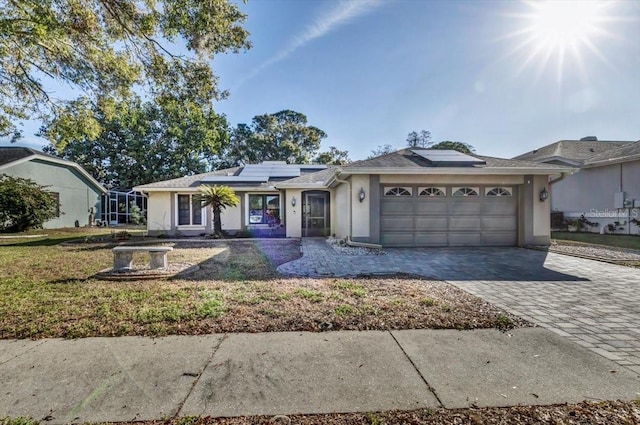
[{"x": 315, "y": 213}]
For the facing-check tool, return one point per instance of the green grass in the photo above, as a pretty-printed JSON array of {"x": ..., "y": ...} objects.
[
  {"x": 352, "y": 288},
  {"x": 621, "y": 241},
  {"x": 310, "y": 294},
  {"x": 428, "y": 302},
  {"x": 344, "y": 310}
]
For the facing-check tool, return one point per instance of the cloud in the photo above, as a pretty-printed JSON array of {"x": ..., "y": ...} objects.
[{"x": 341, "y": 14}]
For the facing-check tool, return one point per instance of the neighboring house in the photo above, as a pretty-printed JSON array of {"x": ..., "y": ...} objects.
[
  {"x": 77, "y": 193},
  {"x": 412, "y": 197},
  {"x": 607, "y": 188}
]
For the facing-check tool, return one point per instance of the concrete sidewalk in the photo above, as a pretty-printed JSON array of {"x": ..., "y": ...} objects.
[{"x": 134, "y": 378}]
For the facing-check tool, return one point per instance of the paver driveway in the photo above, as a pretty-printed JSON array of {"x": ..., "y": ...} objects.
[{"x": 595, "y": 304}]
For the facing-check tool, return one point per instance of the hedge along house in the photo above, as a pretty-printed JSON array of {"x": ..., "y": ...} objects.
[
  {"x": 408, "y": 198},
  {"x": 78, "y": 194}
]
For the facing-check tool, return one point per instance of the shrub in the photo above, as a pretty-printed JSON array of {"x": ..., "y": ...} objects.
[{"x": 24, "y": 204}]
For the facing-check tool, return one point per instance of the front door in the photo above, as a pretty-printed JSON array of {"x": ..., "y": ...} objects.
[{"x": 315, "y": 219}]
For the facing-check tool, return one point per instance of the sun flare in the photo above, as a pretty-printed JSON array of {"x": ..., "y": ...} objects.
[
  {"x": 560, "y": 23},
  {"x": 561, "y": 32}
]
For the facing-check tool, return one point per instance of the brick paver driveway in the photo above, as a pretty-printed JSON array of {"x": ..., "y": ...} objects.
[{"x": 595, "y": 304}]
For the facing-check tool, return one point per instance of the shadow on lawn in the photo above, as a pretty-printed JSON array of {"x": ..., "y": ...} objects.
[{"x": 247, "y": 259}]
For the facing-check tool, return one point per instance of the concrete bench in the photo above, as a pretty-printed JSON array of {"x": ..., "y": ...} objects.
[{"x": 123, "y": 256}]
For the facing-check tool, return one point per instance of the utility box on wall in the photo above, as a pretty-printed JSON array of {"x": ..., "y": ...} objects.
[{"x": 618, "y": 200}]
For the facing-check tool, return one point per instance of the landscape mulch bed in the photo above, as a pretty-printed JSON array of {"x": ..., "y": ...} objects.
[{"x": 585, "y": 413}]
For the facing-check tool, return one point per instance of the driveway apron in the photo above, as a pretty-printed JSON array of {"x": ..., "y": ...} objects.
[{"x": 595, "y": 304}]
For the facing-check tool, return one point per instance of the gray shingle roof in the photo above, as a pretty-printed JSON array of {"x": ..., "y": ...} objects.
[
  {"x": 10, "y": 154},
  {"x": 621, "y": 152},
  {"x": 406, "y": 159},
  {"x": 573, "y": 150},
  {"x": 188, "y": 181},
  {"x": 315, "y": 177}
]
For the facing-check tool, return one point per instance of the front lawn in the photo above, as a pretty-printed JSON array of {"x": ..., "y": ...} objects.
[
  {"x": 620, "y": 241},
  {"x": 47, "y": 291}
]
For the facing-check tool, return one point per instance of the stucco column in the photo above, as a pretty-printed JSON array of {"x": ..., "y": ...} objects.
[{"x": 535, "y": 214}]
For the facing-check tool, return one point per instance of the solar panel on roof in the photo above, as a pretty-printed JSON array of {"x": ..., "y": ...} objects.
[
  {"x": 449, "y": 158},
  {"x": 256, "y": 178}
]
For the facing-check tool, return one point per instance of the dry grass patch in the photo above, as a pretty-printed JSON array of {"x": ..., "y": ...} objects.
[{"x": 47, "y": 291}]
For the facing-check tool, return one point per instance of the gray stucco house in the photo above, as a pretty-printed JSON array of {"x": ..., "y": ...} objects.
[
  {"x": 408, "y": 198},
  {"x": 607, "y": 187},
  {"x": 78, "y": 194}
]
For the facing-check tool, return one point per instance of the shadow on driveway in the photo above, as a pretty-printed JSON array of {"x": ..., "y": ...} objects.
[{"x": 494, "y": 264}]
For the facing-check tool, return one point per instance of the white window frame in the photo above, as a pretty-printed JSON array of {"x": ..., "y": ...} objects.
[
  {"x": 177, "y": 213},
  {"x": 423, "y": 188},
  {"x": 388, "y": 188},
  {"x": 455, "y": 189},
  {"x": 509, "y": 191}
]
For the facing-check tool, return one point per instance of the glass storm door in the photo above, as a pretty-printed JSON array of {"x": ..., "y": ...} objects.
[{"x": 315, "y": 215}]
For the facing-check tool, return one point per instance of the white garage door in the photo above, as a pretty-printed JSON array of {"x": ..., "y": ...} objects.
[{"x": 448, "y": 216}]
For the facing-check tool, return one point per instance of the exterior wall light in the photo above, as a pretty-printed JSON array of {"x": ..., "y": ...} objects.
[
  {"x": 361, "y": 194},
  {"x": 293, "y": 201},
  {"x": 544, "y": 195}
]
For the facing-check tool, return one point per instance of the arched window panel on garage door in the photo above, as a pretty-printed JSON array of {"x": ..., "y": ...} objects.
[
  {"x": 465, "y": 191},
  {"x": 498, "y": 191},
  {"x": 432, "y": 191},
  {"x": 398, "y": 191}
]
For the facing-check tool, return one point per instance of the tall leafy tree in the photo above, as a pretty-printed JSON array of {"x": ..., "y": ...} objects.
[
  {"x": 219, "y": 197},
  {"x": 333, "y": 156},
  {"x": 283, "y": 136},
  {"x": 24, "y": 204},
  {"x": 455, "y": 146},
  {"x": 105, "y": 48},
  {"x": 420, "y": 139},
  {"x": 142, "y": 142}
]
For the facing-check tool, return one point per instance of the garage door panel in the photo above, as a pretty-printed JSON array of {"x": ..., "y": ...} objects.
[
  {"x": 502, "y": 206},
  {"x": 499, "y": 223},
  {"x": 431, "y": 239},
  {"x": 432, "y": 207},
  {"x": 431, "y": 223},
  {"x": 397, "y": 206},
  {"x": 397, "y": 223},
  {"x": 398, "y": 239},
  {"x": 464, "y": 223},
  {"x": 465, "y": 239},
  {"x": 465, "y": 206}
]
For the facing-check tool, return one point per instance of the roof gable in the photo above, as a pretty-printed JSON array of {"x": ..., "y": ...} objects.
[{"x": 13, "y": 155}]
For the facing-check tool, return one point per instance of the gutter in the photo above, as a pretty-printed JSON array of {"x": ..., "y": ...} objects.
[{"x": 349, "y": 241}]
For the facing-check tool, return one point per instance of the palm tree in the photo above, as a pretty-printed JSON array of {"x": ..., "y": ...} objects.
[{"x": 219, "y": 197}]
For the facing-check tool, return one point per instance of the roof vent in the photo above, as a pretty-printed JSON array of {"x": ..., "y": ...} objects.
[
  {"x": 589, "y": 139},
  {"x": 591, "y": 150},
  {"x": 535, "y": 150}
]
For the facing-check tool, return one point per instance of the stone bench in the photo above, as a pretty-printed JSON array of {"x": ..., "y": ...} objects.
[{"x": 123, "y": 256}]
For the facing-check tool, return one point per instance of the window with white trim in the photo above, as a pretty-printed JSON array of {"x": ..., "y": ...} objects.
[
  {"x": 465, "y": 191},
  {"x": 190, "y": 212},
  {"x": 432, "y": 191},
  {"x": 398, "y": 191},
  {"x": 498, "y": 191}
]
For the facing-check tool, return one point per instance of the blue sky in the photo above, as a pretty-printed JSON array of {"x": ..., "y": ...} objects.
[{"x": 487, "y": 73}]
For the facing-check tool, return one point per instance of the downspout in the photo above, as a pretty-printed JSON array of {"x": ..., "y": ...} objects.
[
  {"x": 559, "y": 179},
  {"x": 349, "y": 241}
]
